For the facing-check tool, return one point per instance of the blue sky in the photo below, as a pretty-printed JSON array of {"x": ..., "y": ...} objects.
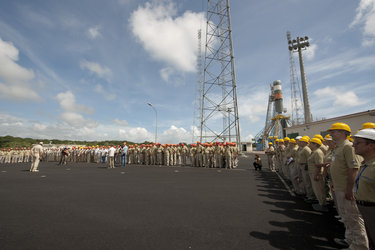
[{"x": 85, "y": 70}]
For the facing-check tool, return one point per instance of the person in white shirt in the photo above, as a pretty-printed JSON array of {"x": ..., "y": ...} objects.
[
  {"x": 111, "y": 157},
  {"x": 123, "y": 154}
]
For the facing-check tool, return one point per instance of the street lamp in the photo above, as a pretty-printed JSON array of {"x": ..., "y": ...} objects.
[
  {"x": 156, "y": 121},
  {"x": 297, "y": 45}
]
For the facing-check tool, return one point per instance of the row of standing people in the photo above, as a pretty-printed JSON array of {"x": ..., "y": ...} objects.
[
  {"x": 15, "y": 155},
  {"x": 210, "y": 155},
  {"x": 320, "y": 168},
  {"x": 196, "y": 155}
]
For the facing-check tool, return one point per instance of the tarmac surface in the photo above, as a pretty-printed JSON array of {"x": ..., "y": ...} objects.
[{"x": 88, "y": 206}]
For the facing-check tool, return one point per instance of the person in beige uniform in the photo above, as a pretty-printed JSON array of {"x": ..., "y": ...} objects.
[
  {"x": 315, "y": 165},
  {"x": 270, "y": 152},
  {"x": 281, "y": 156},
  {"x": 184, "y": 154},
  {"x": 344, "y": 169},
  {"x": 327, "y": 161},
  {"x": 228, "y": 156},
  {"x": 303, "y": 156},
  {"x": 323, "y": 147},
  {"x": 218, "y": 155},
  {"x": 364, "y": 145},
  {"x": 193, "y": 152},
  {"x": 285, "y": 167},
  {"x": 36, "y": 153},
  {"x": 291, "y": 163}
]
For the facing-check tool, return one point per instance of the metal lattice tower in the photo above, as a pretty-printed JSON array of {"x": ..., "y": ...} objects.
[
  {"x": 296, "y": 98},
  {"x": 219, "y": 91},
  {"x": 198, "y": 90}
]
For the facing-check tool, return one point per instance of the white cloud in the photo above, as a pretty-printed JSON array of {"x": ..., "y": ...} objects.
[
  {"x": 175, "y": 135},
  {"x": 17, "y": 79},
  {"x": 10, "y": 120},
  {"x": 94, "y": 32},
  {"x": 97, "y": 69},
  {"x": 40, "y": 19},
  {"x": 339, "y": 98},
  {"x": 107, "y": 95},
  {"x": 67, "y": 102},
  {"x": 71, "y": 111},
  {"x": 166, "y": 73},
  {"x": 310, "y": 52},
  {"x": 247, "y": 138},
  {"x": 253, "y": 106},
  {"x": 348, "y": 62},
  {"x": 39, "y": 127},
  {"x": 136, "y": 134},
  {"x": 120, "y": 122},
  {"x": 76, "y": 127},
  {"x": 365, "y": 15},
  {"x": 169, "y": 39}
]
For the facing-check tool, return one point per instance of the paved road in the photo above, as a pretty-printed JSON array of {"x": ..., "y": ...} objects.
[{"x": 87, "y": 206}]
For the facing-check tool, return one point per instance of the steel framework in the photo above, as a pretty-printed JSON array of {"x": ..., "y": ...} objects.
[{"x": 219, "y": 91}]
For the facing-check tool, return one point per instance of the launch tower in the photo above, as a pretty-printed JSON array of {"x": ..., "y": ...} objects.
[{"x": 219, "y": 114}]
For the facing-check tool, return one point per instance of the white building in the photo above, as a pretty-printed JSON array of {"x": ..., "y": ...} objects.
[
  {"x": 247, "y": 146},
  {"x": 354, "y": 121}
]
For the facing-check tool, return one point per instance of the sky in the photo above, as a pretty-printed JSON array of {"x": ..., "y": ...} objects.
[{"x": 85, "y": 70}]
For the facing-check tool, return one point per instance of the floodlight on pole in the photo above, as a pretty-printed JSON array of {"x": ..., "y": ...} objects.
[{"x": 156, "y": 121}]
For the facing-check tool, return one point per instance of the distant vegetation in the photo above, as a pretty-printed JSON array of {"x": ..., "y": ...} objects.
[{"x": 13, "y": 142}]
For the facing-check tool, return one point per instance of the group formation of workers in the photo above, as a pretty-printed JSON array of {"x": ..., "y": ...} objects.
[
  {"x": 338, "y": 167},
  {"x": 15, "y": 155},
  {"x": 209, "y": 155}
]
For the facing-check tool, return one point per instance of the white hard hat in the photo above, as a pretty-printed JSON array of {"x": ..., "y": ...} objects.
[
  {"x": 298, "y": 138},
  {"x": 41, "y": 143},
  {"x": 367, "y": 133}
]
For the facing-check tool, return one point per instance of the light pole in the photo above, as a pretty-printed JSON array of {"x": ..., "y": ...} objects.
[
  {"x": 156, "y": 121},
  {"x": 297, "y": 45}
]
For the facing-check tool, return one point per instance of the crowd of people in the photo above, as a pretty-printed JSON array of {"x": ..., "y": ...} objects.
[
  {"x": 209, "y": 155},
  {"x": 338, "y": 167}
]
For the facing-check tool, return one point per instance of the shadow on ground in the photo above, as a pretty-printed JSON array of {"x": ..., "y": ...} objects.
[{"x": 306, "y": 228}]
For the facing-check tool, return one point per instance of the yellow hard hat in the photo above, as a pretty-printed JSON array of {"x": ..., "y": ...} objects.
[
  {"x": 316, "y": 140},
  {"x": 319, "y": 137},
  {"x": 305, "y": 139},
  {"x": 270, "y": 143},
  {"x": 286, "y": 139},
  {"x": 281, "y": 140},
  {"x": 328, "y": 137},
  {"x": 340, "y": 126},
  {"x": 368, "y": 125},
  {"x": 292, "y": 141},
  {"x": 277, "y": 140}
]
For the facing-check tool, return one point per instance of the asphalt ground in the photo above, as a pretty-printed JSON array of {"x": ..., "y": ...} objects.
[{"x": 88, "y": 206}]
